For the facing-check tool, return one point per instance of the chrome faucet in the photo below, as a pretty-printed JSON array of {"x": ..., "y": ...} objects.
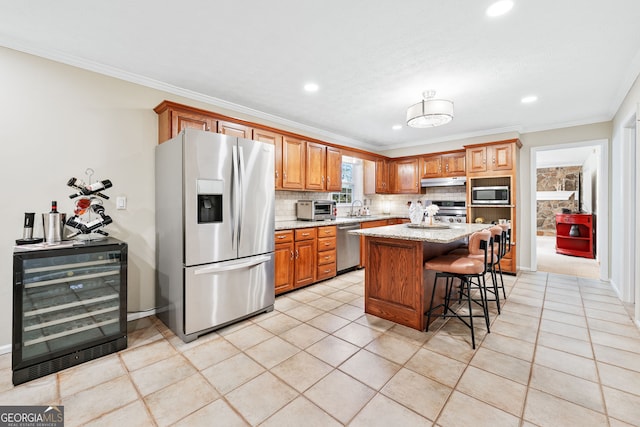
[{"x": 352, "y": 205}]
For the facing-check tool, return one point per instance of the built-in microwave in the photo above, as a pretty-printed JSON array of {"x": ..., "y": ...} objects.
[
  {"x": 316, "y": 210},
  {"x": 496, "y": 195}
]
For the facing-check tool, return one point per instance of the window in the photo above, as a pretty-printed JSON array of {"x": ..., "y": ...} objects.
[{"x": 351, "y": 181}]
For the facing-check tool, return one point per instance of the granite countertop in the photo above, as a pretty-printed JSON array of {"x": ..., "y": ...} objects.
[
  {"x": 436, "y": 235},
  {"x": 287, "y": 225}
]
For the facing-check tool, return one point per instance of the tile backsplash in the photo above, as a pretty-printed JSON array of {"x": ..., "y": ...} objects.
[{"x": 393, "y": 204}]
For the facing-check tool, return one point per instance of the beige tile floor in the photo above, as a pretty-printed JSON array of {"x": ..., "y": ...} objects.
[
  {"x": 550, "y": 261},
  {"x": 562, "y": 353}
]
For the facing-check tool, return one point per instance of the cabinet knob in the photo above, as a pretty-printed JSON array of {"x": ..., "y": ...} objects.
[
  {"x": 276, "y": 174},
  {"x": 291, "y": 254},
  {"x": 297, "y": 254}
]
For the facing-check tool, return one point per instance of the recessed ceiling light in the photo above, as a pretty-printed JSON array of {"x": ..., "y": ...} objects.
[
  {"x": 529, "y": 99},
  {"x": 311, "y": 87},
  {"x": 396, "y": 127},
  {"x": 499, "y": 8}
]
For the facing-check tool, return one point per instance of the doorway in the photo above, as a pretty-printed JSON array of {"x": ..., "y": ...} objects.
[{"x": 582, "y": 188}]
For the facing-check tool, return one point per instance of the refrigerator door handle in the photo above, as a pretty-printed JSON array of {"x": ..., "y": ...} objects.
[
  {"x": 232, "y": 266},
  {"x": 243, "y": 195},
  {"x": 235, "y": 188}
]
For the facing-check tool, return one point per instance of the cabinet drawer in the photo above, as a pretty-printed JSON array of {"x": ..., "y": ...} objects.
[
  {"x": 376, "y": 223},
  {"x": 326, "y": 257},
  {"x": 326, "y": 271},
  {"x": 573, "y": 219},
  {"x": 326, "y": 243},
  {"x": 327, "y": 231},
  {"x": 285, "y": 236},
  {"x": 305, "y": 234}
]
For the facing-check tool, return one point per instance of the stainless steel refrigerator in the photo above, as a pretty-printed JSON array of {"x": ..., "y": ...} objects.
[{"x": 215, "y": 216}]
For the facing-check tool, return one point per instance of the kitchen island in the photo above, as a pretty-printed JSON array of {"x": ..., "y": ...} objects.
[{"x": 397, "y": 287}]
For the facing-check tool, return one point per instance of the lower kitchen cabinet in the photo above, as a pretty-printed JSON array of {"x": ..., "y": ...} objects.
[
  {"x": 284, "y": 261},
  {"x": 371, "y": 224},
  {"x": 304, "y": 256},
  {"x": 326, "y": 252}
]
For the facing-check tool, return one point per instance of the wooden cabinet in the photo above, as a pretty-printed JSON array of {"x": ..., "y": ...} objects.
[
  {"x": 371, "y": 224},
  {"x": 293, "y": 160},
  {"x": 405, "y": 176},
  {"x": 172, "y": 120},
  {"x": 305, "y": 256},
  {"x": 454, "y": 164},
  {"x": 382, "y": 177},
  {"x": 575, "y": 235},
  {"x": 326, "y": 261},
  {"x": 431, "y": 166},
  {"x": 234, "y": 129},
  {"x": 276, "y": 140},
  {"x": 334, "y": 169},
  {"x": 443, "y": 165},
  {"x": 323, "y": 168},
  {"x": 488, "y": 159},
  {"x": 284, "y": 261}
]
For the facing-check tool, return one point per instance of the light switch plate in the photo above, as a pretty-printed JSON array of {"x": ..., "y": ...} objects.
[{"x": 121, "y": 202}]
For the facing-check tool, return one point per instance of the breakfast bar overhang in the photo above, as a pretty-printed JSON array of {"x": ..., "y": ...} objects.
[{"x": 397, "y": 287}]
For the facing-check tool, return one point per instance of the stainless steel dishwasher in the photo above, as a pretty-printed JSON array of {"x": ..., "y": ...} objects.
[{"x": 348, "y": 247}]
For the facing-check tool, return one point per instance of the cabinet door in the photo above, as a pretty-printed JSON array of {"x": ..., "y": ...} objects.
[
  {"x": 382, "y": 176},
  {"x": 293, "y": 163},
  {"x": 275, "y": 139},
  {"x": 284, "y": 267},
  {"x": 477, "y": 159},
  {"x": 315, "y": 166},
  {"x": 406, "y": 176},
  {"x": 234, "y": 129},
  {"x": 305, "y": 257},
  {"x": 182, "y": 120},
  {"x": 454, "y": 164},
  {"x": 431, "y": 167},
  {"x": 502, "y": 157},
  {"x": 334, "y": 169}
]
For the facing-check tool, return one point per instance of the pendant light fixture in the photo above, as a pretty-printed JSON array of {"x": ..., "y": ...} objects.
[{"x": 430, "y": 112}]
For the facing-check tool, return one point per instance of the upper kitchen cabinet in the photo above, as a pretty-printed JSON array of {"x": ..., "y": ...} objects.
[
  {"x": 454, "y": 164},
  {"x": 323, "y": 168},
  {"x": 173, "y": 118},
  {"x": 234, "y": 129},
  {"x": 382, "y": 177},
  {"x": 443, "y": 165},
  {"x": 498, "y": 158},
  {"x": 406, "y": 179},
  {"x": 275, "y": 139},
  {"x": 431, "y": 166},
  {"x": 293, "y": 161}
]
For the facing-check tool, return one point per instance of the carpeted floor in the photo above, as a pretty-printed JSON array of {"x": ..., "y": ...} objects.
[{"x": 551, "y": 262}]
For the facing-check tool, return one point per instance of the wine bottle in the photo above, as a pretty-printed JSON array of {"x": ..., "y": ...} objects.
[
  {"x": 89, "y": 190},
  {"x": 54, "y": 206}
]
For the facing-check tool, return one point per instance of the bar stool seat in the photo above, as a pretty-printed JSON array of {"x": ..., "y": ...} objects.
[{"x": 465, "y": 269}]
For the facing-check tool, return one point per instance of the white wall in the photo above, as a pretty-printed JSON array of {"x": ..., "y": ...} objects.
[
  {"x": 589, "y": 182},
  {"x": 626, "y": 167},
  {"x": 59, "y": 120}
]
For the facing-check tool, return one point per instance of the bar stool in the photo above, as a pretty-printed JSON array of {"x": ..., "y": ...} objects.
[
  {"x": 493, "y": 261},
  {"x": 466, "y": 269}
]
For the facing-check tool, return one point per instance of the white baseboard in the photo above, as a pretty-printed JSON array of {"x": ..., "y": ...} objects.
[{"x": 4, "y": 349}]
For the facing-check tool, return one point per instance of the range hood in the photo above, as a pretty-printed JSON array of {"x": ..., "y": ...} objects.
[{"x": 443, "y": 182}]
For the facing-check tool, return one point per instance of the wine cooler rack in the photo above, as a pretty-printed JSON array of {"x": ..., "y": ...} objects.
[{"x": 69, "y": 305}]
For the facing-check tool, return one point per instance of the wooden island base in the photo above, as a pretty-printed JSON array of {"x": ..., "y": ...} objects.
[{"x": 397, "y": 287}]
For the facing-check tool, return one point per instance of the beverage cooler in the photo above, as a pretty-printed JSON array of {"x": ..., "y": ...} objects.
[{"x": 69, "y": 305}]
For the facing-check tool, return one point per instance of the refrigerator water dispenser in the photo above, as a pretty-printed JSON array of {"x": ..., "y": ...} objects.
[{"x": 209, "y": 201}]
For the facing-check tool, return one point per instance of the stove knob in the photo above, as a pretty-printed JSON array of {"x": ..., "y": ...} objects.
[
  {"x": 459, "y": 220},
  {"x": 450, "y": 219}
]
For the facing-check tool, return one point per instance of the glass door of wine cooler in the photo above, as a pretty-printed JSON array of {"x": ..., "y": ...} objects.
[{"x": 67, "y": 301}]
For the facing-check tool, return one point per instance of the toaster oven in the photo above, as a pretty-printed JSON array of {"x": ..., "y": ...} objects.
[{"x": 315, "y": 210}]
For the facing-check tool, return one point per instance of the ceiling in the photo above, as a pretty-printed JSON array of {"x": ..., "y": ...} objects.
[
  {"x": 575, "y": 156},
  {"x": 371, "y": 58}
]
